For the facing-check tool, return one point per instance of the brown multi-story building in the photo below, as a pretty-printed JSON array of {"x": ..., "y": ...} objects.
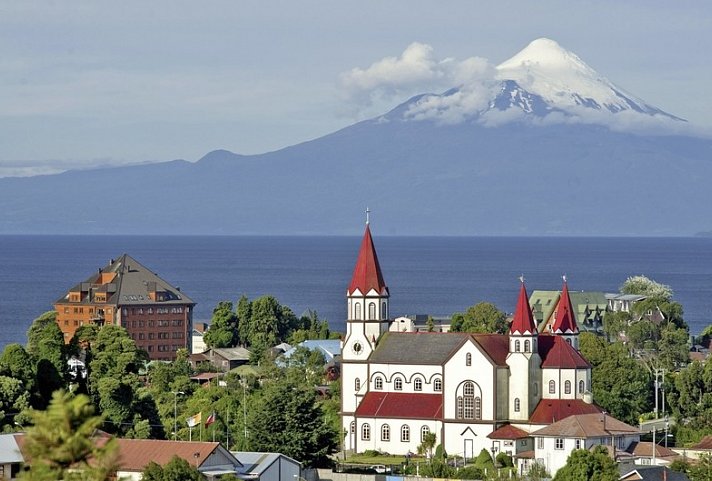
[{"x": 157, "y": 316}]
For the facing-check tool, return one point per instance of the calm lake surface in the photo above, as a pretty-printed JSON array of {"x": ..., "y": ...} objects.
[{"x": 425, "y": 275}]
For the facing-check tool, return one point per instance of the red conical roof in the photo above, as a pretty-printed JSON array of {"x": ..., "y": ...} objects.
[
  {"x": 367, "y": 273},
  {"x": 523, "y": 322},
  {"x": 565, "y": 322}
]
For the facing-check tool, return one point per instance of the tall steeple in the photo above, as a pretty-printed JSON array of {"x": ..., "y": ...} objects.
[
  {"x": 367, "y": 272},
  {"x": 523, "y": 322},
  {"x": 523, "y": 360},
  {"x": 565, "y": 320}
]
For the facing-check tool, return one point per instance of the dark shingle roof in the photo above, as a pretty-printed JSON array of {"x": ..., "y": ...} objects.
[
  {"x": 131, "y": 285},
  {"x": 417, "y": 347}
]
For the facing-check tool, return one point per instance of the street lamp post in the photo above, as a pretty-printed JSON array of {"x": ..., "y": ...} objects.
[{"x": 175, "y": 413}]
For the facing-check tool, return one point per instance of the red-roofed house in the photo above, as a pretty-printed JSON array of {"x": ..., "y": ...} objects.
[{"x": 473, "y": 391}]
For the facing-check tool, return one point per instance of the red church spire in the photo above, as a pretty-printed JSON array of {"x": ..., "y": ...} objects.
[
  {"x": 367, "y": 273},
  {"x": 565, "y": 322},
  {"x": 523, "y": 322}
]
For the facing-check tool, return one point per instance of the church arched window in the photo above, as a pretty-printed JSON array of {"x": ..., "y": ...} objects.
[
  {"x": 581, "y": 387},
  {"x": 568, "y": 341},
  {"x": 527, "y": 346},
  {"x": 357, "y": 311},
  {"x": 552, "y": 387},
  {"x": 398, "y": 384},
  {"x": 517, "y": 346},
  {"x": 469, "y": 389},
  {"x": 478, "y": 408},
  {"x": 378, "y": 383},
  {"x": 438, "y": 384},
  {"x": 418, "y": 384},
  {"x": 405, "y": 433},
  {"x": 567, "y": 387},
  {"x": 385, "y": 432},
  {"x": 384, "y": 311},
  {"x": 468, "y": 359},
  {"x": 371, "y": 311},
  {"x": 357, "y": 384},
  {"x": 366, "y": 432},
  {"x": 469, "y": 406},
  {"x": 424, "y": 431},
  {"x": 517, "y": 405}
]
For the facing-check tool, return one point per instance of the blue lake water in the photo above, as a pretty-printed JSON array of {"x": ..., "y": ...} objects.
[{"x": 425, "y": 275}]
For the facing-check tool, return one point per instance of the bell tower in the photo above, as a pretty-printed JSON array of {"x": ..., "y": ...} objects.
[
  {"x": 523, "y": 360},
  {"x": 565, "y": 320}
]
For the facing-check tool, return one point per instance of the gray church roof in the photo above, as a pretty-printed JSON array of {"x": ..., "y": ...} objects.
[{"x": 417, "y": 347}]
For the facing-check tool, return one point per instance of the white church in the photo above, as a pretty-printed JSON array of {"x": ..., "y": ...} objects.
[{"x": 474, "y": 391}]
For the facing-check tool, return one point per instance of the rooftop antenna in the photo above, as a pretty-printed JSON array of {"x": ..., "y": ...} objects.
[{"x": 368, "y": 211}]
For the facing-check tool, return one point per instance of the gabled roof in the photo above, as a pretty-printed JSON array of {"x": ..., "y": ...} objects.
[
  {"x": 330, "y": 348},
  {"x": 379, "y": 404},
  {"x": 135, "y": 454},
  {"x": 650, "y": 473},
  {"x": 259, "y": 463},
  {"x": 9, "y": 449},
  {"x": 552, "y": 410},
  {"x": 419, "y": 348},
  {"x": 231, "y": 353},
  {"x": 585, "y": 426},
  {"x": 645, "y": 449},
  {"x": 367, "y": 272},
  {"x": 555, "y": 352},
  {"x": 523, "y": 322},
  {"x": 508, "y": 432},
  {"x": 565, "y": 321},
  {"x": 435, "y": 348}
]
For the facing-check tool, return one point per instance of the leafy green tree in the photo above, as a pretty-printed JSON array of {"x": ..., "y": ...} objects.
[
  {"x": 537, "y": 472},
  {"x": 223, "y": 331},
  {"x": 17, "y": 363},
  {"x": 644, "y": 286},
  {"x": 427, "y": 445},
  {"x": 61, "y": 442},
  {"x": 244, "y": 314},
  {"x": 483, "y": 317},
  {"x": 45, "y": 343},
  {"x": 620, "y": 384},
  {"x": 583, "y": 465},
  {"x": 287, "y": 419},
  {"x": 702, "y": 470},
  {"x": 14, "y": 400}
]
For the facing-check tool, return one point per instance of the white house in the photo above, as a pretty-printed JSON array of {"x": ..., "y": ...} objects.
[
  {"x": 554, "y": 443},
  {"x": 398, "y": 386}
]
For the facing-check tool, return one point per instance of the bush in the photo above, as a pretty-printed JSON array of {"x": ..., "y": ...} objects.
[
  {"x": 504, "y": 460},
  {"x": 470, "y": 472},
  {"x": 484, "y": 460},
  {"x": 371, "y": 453}
]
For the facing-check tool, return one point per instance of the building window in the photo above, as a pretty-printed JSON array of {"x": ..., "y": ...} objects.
[
  {"x": 366, "y": 432},
  {"x": 478, "y": 408},
  {"x": 540, "y": 443},
  {"x": 581, "y": 387},
  {"x": 559, "y": 443},
  {"x": 353, "y": 427},
  {"x": 357, "y": 311},
  {"x": 398, "y": 384},
  {"x": 385, "y": 432},
  {"x": 568, "y": 341},
  {"x": 468, "y": 359},
  {"x": 424, "y": 431},
  {"x": 438, "y": 384},
  {"x": 357, "y": 384},
  {"x": 533, "y": 345},
  {"x": 378, "y": 383},
  {"x": 459, "y": 407},
  {"x": 418, "y": 384},
  {"x": 384, "y": 311},
  {"x": 469, "y": 407},
  {"x": 552, "y": 387},
  {"x": 405, "y": 434},
  {"x": 372, "y": 311},
  {"x": 536, "y": 388},
  {"x": 578, "y": 444},
  {"x": 567, "y": 387},
  {"x": 517, "y": 346},
  {"x": 517, "y": 405},
  {"x": 469, "y": 389},
  {"x": 527, "y": 346}
]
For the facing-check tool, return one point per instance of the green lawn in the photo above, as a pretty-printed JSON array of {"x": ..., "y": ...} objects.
[{"x": 386, "y": 459}]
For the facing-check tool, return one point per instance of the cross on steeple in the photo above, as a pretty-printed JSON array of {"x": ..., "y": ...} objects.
[{"x": 368, "y": 211}]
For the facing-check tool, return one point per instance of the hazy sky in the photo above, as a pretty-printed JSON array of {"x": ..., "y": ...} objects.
[{"x": 110, "y": 82}]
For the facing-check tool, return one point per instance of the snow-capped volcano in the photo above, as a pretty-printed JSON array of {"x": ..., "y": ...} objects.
[
  {"x": 541, "y": 79},
  {"x": 564, "y": 81}
]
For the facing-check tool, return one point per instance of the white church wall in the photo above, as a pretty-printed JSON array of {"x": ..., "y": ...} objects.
[
  {"x": 407, "y": 374},
  {"x": 480, "y": 371}
]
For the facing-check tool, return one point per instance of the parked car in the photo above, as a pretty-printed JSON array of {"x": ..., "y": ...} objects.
[{"x": 380, "y": 468}]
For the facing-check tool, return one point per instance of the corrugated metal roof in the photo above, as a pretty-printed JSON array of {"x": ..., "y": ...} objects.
[
  {"x": 552, "y": 410},
  {"x": 587, "y": 426},
  {"x": 401, "y": 405}
]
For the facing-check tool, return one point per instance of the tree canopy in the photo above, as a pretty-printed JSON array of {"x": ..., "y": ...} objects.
[
  {"x": 483, "y": 317},
  {"x": 583, "y": 465},
  {"x": 644, "y": 286}
]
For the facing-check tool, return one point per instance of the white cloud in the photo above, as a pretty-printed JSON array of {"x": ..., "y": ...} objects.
[{"x": 415, "y": 71}]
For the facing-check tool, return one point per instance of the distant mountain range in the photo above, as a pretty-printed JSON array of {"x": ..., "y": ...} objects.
[{"x": 545, "y": 147}]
